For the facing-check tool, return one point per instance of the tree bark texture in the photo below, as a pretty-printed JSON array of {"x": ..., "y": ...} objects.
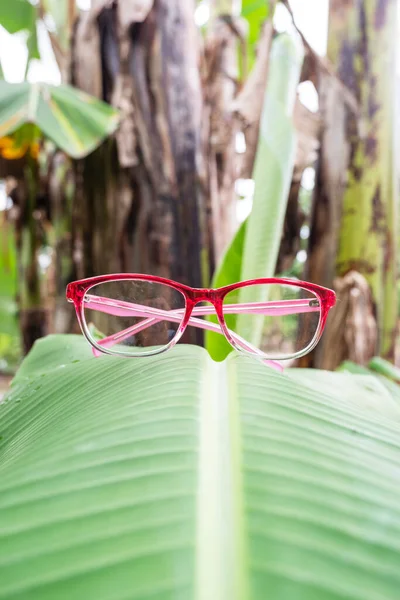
[
  {"x": 141, "y": 198},
  {"x": 61, "y": 189},
  {"x": 160, "y": 198},
  {"x": 326, "y": 213},
  {"x": 249, "y": 102},
  {"x": 220, "y": 85},
  {"x": 354, "y": 216}
]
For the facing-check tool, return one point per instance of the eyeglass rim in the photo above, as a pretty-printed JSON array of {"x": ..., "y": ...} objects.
[
  {"x": 144, "y": 354},
  {"x": 76, "y": 291}
]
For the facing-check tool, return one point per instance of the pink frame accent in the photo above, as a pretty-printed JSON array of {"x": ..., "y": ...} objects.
[{"x": 77, "y": 291}]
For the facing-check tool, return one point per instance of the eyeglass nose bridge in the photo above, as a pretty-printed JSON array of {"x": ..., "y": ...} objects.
[
  {"x": 196, "y": 296},
  {"x": 211, "y": 296},
  {"x": 205, "y": 295}
]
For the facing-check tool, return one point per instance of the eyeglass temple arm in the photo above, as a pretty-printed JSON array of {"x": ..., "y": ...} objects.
[
  {"x": 160, "y": 315},
  {"x": 121, "y": 308},
  {"x": 111, "y": 340}
]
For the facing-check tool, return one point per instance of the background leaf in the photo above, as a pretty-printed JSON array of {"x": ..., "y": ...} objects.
[
  {"x": 255, "y": 248},
  {"x": 176, "y": 477},
  {"x": 32, "y": 44},
  {"x": 255, "y": 12},
  {"x": 228, "y": 271},
  {"x": 21, "y": 15},
  {"x": 17, "y": 15},
  {"x": 384, "y": 367},
  {"x": 76, "y": 122},
  {"x": 272, "y": 175},
  {"x": 9, "y": 330},
  {"x": 58, "y": 9}
]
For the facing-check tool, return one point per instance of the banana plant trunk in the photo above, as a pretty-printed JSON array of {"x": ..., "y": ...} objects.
[
  {"x": 353, "y": 237},
  {"x": 34, "y": 303},
  {"x": 143, "y": 195}
]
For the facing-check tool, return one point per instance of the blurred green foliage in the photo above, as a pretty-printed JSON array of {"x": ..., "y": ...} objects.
[
  {"x": 10, "y": 343},
  {"x": 22, "y": 15},
  {"x": 255, "y": 12}
]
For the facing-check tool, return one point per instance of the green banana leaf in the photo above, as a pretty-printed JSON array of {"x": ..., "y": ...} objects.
[
  {"x": 227, "y": 272},
  {"x": 272, "y": 175},
  {"x": 76, "y": 122},
  {"x": 175, "y": 477},
  {"x": 382, "y": 370},
  {"x": 254, "y": 250},
  {"x": 21, "y": 15},
  {"x": 17, "y": 15},
  {"x": 384, "y": 367},
  {"x": 255, "y": 12},
  {"x": 58, "y": 10},
  {"x": 10, "y": 343}
]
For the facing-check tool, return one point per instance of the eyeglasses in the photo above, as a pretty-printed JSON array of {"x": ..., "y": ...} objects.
[{"x": 141, "y": 315}]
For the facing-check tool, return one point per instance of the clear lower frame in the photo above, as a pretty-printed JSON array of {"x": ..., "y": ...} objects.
[
  {"x": 132, "y": 317},
  {"x": 277, "y": 321}
]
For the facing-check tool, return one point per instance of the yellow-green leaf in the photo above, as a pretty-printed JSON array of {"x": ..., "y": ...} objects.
[{"x": 76, "y": 122}]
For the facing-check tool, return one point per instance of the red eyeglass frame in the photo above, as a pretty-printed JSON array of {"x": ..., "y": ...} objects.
[{"x": 76, "y": 292}]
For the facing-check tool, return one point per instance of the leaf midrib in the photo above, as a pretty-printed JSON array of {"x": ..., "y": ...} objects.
[{"x": 221, "y": 568}]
